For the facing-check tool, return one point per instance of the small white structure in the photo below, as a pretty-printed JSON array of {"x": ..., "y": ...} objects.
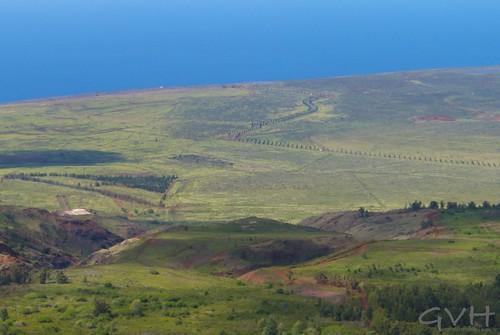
[{"x": 78, "y": 211}]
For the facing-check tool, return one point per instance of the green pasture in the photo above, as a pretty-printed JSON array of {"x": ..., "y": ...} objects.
[
  {"x": 176, "y": 302},
  {"x": 384, "y": 154},
  {"x": 466, "y": 250}
]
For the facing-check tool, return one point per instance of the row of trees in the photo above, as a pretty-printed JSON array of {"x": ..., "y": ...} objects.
[
  {"x": 108, "y": 193},
  {"x": 311, "y": 108},
  {"x": 150, "y": 183},
  {"x": 418, "y": 205},
  {"x": 362, "y": 153},
  {"x": 21, "y": 274}
]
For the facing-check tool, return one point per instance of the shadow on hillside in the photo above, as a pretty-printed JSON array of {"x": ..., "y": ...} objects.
[{"x": 40, "y": 158}]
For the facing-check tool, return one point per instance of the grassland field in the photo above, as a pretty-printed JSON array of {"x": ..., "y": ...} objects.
[{"x": 377, "y": 116}]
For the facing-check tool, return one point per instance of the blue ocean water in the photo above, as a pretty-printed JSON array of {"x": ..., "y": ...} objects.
[{"x": 62, "y": 47}]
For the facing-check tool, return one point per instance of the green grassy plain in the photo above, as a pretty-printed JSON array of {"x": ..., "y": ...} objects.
[{"x": 379, "y": 116}]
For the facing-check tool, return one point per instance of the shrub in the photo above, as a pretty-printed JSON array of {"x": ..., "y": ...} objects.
[
  {"x": 45, "y": 319},
  {"x": 44, "y": 275},
  {"x": 61, "y": 278},
  {"x": 4, "y": 315},
  {"x": 298, "y": 328},
  {"x": 136, "y": 307},
  {"x": 101, "y": 307}
]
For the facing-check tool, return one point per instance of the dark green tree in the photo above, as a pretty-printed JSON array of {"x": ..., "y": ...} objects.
[
  {"x": 416, "y": 205},
  {"x": 44, "y": 275},
  {"x": 268, "y": 326},
  {"x": 298, "y": 327},
  {"x": 19, "y": 275},
  {"x": 361, "y": 212},
  {"x": 4, "y": 315},
  {"x": 61, "y": 278},
  {"x": 433, "y": 204}
]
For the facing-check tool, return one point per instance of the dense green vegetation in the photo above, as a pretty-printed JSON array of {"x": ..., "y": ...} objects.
[
  {"x": 148, "y": 182},
  {"x": 188, "y": 277}
]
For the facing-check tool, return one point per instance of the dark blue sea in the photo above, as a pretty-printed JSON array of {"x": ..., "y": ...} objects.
[{"x": 63, "y": 47}]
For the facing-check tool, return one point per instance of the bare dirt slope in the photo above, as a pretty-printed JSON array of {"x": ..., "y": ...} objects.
[{"x": 397, "y": 224}]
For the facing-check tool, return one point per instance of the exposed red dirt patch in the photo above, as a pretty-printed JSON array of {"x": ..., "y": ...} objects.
[
  {"x": 496, "y": 117},
  {"x": 124, "y": 210},
  {"x": 347, "y": 253},
  {"x": 306, "y": 287},
  {"x": 221, "y": 256},
  {"x": 432, "y": 216},
  {"x": 260, "y": 276},
  {"x": 5, "y": 259},
  {"x": 255, "y": 277},
  {"x": 364, "y": 300},
  {"x": 320, "y": 292}
]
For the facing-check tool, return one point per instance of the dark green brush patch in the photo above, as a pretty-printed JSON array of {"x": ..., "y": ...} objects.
[
  {"x": 150, "y": 183},
  {"x": 40, "y": 158}
]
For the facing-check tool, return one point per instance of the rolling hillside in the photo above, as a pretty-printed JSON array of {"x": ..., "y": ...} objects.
[{"x": 257, "y": 208}]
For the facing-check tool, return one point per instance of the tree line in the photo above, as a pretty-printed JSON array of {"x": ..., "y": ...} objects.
[
  {"x": 311, "y": 108},
  {"x": 284, "y": 144},
  {"x": 108, "y": 193},
  {"x": 450, "y": 205},
  {"x": 152, "y": 183}
]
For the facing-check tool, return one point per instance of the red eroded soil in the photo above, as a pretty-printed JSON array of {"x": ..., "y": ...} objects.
[
  {"x": 496, "y": 117},
  {"x": 255, "y": 277},
  {"x": 260, "y": 276},
  {"x": 436, "y": 118},
  {"x": 4, "y": 259},
  {"x": 318, "y": 292},
  {"x": 364, "y": 300},
  {"x": 431, "y": 216},
  {"x": 306, "y": 287},
  {"x": 124, "y": 210}
]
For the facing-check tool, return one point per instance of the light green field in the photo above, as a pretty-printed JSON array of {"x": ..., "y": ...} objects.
[{"x": 383, "y": 156}]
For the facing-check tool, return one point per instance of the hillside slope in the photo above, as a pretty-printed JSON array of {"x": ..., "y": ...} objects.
[
  {"x": 43, "y": 239},
  {"x": 224, "y": 249}
]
